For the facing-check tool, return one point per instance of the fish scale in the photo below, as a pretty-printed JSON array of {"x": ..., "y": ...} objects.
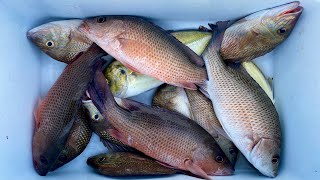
[
  {"x": 164, "y": 135},
  {"x": 203, "y": 114},
  {"x": 245, "y": 112},
  {"x": 124, "y": 164},
  {"x": 77, "y": 141},
  {"x": 147, "y": 49},
  {"x": 56, "y": 113}
]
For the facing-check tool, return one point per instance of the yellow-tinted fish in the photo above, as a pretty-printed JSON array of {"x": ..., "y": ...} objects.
[
  {"x": 259, "y": 33},
  {"x": 258, "y": 76},
  {"x": 126, "y": 83},
  {"x": 195, "y": 40}
]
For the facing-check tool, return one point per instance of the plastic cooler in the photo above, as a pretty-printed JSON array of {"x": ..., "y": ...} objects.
[{"x": 26, "y": 73}]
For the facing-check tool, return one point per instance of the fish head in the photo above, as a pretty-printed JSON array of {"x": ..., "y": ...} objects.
[
  {"x": 44, "y": 153},
  {"x": 222, "y": 165},
  {"x": 118, "y": 77},
  {"x": 103, "y": 160},
  {"x": 64, "y": 157},
  {"x": 61, "y": 40},
  {"x": 212, "y": 159},
  {"x": 266, "y": 156},
  {"x": 102, "y": 29},
  {"x": 95, "y": 116},
  {"x": 260, "y": 32}
]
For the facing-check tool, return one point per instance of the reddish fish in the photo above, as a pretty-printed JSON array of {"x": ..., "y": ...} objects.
[
  {"x": 161, "y": 134},
  {"x": 147, "y": 49},
  {"x": 56, "y": 113}
]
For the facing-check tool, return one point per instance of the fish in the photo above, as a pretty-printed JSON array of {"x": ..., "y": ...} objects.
[
  {"x": 127, "y": 83},
  {"x": 147, "y": 49},
  {"x": 203, "y": 114},
  {"x": 100, "y": 126},
  {"x": 164, "y": 135},
  {"x": 77, "y": 141},
  {"x": 56, "y": 113},
  {"x": 127, "y": 164},
  {"x": 61, "y": 40},
  {"x": 259, "y": 32},
  {"x": 196, "y": 106},
  {"x": 173, "y": 98},
  {"x": 246, "y": 113},
  {"x": 258, "y": 76},
  {"x": 197, "y": 41}
]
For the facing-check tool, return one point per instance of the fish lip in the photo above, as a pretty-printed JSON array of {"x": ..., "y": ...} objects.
[
  {"x": 293, "y": 11},
  {"x": 292, "y": 8},
  {"x": 41, "y": 172},
  {"x": 90, "y": 162},
  {"x": 226, "y": 171},
  {"x": 30, "y": 35}
]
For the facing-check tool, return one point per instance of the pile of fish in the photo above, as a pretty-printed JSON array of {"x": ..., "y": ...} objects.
[{"x": 212, "y": 102}]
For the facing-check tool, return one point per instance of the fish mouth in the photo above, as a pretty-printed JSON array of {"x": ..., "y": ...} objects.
[
  {"x": 92, "y": 163},
  {"x": 292, "y": 8},
  {"x": 39, "y": 170},
  {"x": 30, "y": 35},
  {"x": 295, "y": 11},
  {"x": 226, "y": 171}
]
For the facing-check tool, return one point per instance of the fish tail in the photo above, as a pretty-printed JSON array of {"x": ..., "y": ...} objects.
[
  {"x": 100, "y": 92},
  {"x": 218, "y": 30}
]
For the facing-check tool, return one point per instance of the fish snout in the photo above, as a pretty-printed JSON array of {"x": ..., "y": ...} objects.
[
  {"x": 30, "y": 35},
  {"x": 227, "y": 171},
  {"x": 91, "y": 162},
  {"x": 223, "y": 171},
  {"x": 39, "y": 170}
]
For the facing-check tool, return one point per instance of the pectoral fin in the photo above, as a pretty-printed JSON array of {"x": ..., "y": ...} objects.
[
  {"x": 36, "y": 113},
  {"x": 195, "y": 169}
]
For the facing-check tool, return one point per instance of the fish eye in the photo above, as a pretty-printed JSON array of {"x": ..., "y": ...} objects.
[
  {"x": 102, "y": 159},
  {"x": 282, "y": 30},
  {"x": 96, "y": 117},
  {"x": 232, "y": 151},
  {"x": 62, "y": 157},
  {"x": 219, "y": 159},
  {"x": 49, "y": 43},
  {"x": 43, "y": 160},
  {"x": 101, "y": 19},
  {"x": 122, "y": 71},
  {"x": 275, "y": 159}
]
